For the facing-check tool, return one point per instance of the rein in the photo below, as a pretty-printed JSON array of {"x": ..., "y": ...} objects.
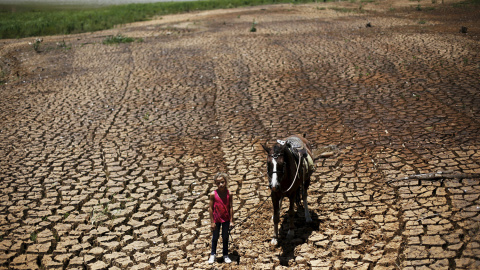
[
  {"x": 296, "y": 174},
  {"x": 245, "y": 219},
  {"x": 237, "y": 224}
]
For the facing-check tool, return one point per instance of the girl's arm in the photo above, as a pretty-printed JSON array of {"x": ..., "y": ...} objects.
[{"x": 210, "y": 211}]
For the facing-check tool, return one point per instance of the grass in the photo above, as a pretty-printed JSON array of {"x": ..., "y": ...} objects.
[
  {"x": 33, "y": 236},
  {"x": 36, "y": 44},
  {"x": 64, "y": 45},
  {"x": 466, "y": 3},
  {"x": 40, "y": 21},
  {"x": 3, "y": 76},
  {"x": 110, "y": 40},
  {"x": 347, "y": 10},
  {"x": 253, "y": 28}
]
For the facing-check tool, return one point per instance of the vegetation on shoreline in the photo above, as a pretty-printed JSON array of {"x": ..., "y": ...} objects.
[
  {"x": 34, "y": 21},
  {"x": 111, "y": 40},
  {"x": 41, "y": 21}
]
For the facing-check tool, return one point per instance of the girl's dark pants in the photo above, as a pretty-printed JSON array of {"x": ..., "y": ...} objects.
[{"x": 225, "y": 228}]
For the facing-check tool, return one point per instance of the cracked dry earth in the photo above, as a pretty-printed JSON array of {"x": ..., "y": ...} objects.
[{"x": 108, "y": 152}]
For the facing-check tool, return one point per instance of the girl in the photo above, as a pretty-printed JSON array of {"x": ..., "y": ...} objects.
[{"x": 221, "y": 215}]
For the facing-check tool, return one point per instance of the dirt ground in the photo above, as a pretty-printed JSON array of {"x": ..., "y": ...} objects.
[{"x": 107, "y": 152}]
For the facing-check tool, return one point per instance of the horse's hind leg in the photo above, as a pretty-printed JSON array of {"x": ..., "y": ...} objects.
[
  {"x": 298, "y": 196},
  {"x": 308, "y": 219},
  {"x": 291, "y": 214}
]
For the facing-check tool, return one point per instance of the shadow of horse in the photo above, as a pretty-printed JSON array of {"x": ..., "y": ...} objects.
[{"x": 303, "y": 231}]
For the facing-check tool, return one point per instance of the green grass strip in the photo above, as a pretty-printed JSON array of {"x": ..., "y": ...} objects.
[
  {"x": 41, "y": 21},
  {"x": 37, "y": 21},
  {"x": 111, "y": 40}
]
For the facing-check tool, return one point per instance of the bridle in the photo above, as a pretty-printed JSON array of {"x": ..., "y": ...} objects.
[{"x": 275, "y": 156}]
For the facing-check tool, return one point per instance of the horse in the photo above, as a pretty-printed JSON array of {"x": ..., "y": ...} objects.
[{"x": 289, "y": 167}]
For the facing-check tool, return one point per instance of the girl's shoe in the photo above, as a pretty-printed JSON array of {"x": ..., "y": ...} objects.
[
  {"x": 226, "y": 259},
  {"x": 212, "y": 258}
]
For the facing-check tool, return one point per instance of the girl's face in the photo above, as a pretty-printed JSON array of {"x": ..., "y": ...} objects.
[{"x": 221, "y": 183}]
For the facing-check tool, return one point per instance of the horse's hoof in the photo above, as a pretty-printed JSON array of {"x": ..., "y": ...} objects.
[
  {"x": 290, "y": 234},
  {"x": 274, "y": 242}
]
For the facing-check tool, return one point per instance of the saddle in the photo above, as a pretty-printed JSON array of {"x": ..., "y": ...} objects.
[{"x": 298, "y": 148}]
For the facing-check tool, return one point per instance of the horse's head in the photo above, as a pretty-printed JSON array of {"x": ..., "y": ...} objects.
[{"x": 275, "y": 164}]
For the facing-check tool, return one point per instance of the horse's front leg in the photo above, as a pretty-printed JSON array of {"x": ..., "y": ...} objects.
[
  {"x": 291, "y": 214},
  {"x": 277, "y": 202}
]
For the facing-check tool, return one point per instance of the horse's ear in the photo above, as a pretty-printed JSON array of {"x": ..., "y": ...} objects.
[{"x": 266, "y": 148}]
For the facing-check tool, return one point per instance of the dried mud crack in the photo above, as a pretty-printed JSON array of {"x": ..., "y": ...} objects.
[{"x": 107, "y": 153}]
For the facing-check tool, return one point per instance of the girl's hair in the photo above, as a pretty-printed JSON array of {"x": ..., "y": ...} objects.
[{"x": 221, "y": 175}]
